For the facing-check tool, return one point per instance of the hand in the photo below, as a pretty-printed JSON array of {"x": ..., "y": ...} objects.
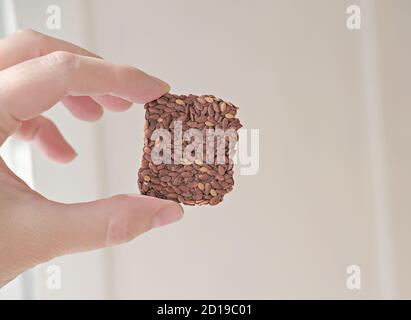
[{"x": 36, "y": 72}]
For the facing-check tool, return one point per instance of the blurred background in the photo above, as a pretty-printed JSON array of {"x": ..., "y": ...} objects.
[{"x": 332, "y": 106}]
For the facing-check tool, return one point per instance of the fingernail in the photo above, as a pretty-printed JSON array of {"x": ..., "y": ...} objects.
[
  {"x": 164, "y": 85},
  {"x": 74, "y": 156},
  {"x": 168, "y": 214}
]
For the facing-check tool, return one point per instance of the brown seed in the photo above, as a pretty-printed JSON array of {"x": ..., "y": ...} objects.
[
  {"x": 214, "y": 201},
  {"x": 176, "y": 189},
  {"x": 223, "y": 107},
  {"x": 207, "y": 188},
  {"x": 163, "y": 172},
  {"x": 216, "y": 107},
  {"x": 202, "y": 119},
  {"x": 186, "y": 174},
  {"x": 212, "y": 173},
  {"x": 201, "y": 100},
  {"x": 215, "y": 184},
  {"x": 224, "y": 184},
  {"x": 221, "y": 192},
  {"x": 165, "y": 179},
  {"x": 155, "y": 180},
  {"x": 200, "y": 186},
  {"x": 192, "y": 124},
  {"x": 161, "y": 101},
  {"x": 153, "y": 167},
  {"x": 155, "y": 110},
  {"x": 144, "y": 164},
  {"x": 148, "y": 133},
  {"x": 187, "y": 195},
  {"x": 147, "y": 178},
  {"x": 209, "y": 124},
  {"x": 197, "y": 197},
  {"x": 211, "y": 119},
  {"x": 211, "y": 112},
  {"x": 192, "y": 185},
  {"x": 184, "y": 188},
  {"x": 219, "y": 177},
  {"x": 198, "y": 106},
  {"x": 180, "y": 108},
  {"x": 213, "y": 192},
  {"x": 203, "y": 169},
  {"x": 180, "y": 102},
  {"x": 225, "y": 123},
  {"x": 209, "y": 99},
  {"x": 221, "y": 170},
  {"x": 176, "y": 181},
  {"x": 229, "y": 115},
  {"x": 154, "y": 116}
]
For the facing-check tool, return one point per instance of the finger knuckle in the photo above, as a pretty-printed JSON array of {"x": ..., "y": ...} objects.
[
  {"x": 60, "y": 59},
  {"x": 27, "y": 33},
  {"x": 124, "y": 224},
  {"x": 8, "y": 124},
  {"x": 32, "y": 39},
  {"x": 118, "y": 230}
]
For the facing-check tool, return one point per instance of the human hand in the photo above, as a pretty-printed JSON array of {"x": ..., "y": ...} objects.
[{"x": 36, "y": 72}]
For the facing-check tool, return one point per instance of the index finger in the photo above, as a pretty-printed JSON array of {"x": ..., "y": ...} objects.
[
  {"x": 28, "y": 44},
  {"x": 34, "y": 86}
]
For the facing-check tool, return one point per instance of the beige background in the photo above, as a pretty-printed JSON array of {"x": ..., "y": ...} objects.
[{"x": 333, "y": 110}]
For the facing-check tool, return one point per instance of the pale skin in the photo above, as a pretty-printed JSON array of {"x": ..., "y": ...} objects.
[{"x": 36, "y": 72}]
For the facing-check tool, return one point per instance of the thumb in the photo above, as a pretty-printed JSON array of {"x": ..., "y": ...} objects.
[{"x": 87, "y": 226}]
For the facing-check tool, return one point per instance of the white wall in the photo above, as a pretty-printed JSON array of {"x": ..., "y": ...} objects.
[
  {"x": 332, "y": 107},
  {"x": 322, "y": 199}
]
